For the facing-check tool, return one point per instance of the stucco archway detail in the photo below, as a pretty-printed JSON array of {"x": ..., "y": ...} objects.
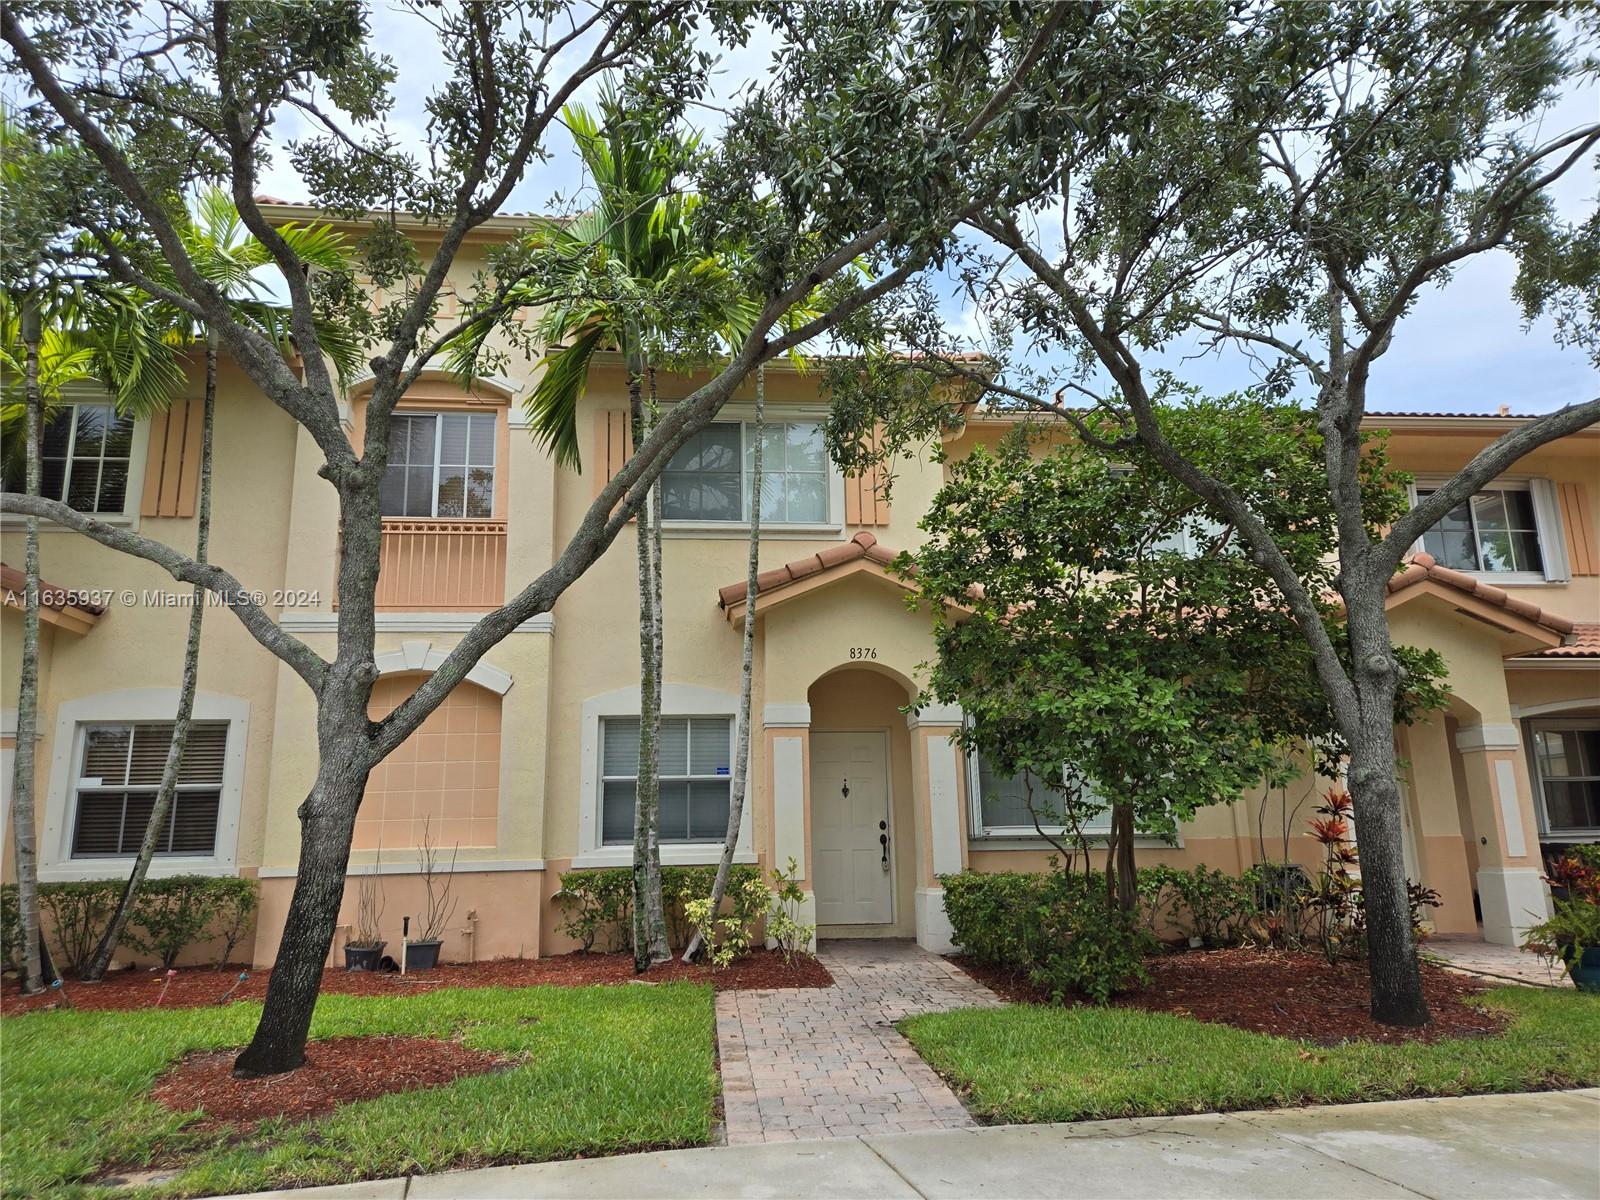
[{"x": 421, "y": 656}]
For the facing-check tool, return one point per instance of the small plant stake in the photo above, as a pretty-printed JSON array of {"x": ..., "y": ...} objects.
[
  {"x": 166, "y": 982},
  {"x": 234, "y": 987},
  {"x": 62, "y": 999},
  {"x": 405, "y": 940}
]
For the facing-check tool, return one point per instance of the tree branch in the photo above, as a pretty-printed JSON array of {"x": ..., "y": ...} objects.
[{"x": 305, "y": 661}]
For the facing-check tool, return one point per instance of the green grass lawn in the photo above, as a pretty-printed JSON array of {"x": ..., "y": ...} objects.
[
  {"x": 1032, "y": 1063},
  {"x": 598, "y": 1070}
]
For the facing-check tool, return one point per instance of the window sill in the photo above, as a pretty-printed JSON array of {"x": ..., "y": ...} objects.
[
  {"x": 78, "y": 870},
  {"x": 1032, "y": 841},
  {"x": 699, "y": 854},
  {"x": 741, "y": 530},
  {"x": 122, "y": 520},
  {"x": 1515, "y": 579}
]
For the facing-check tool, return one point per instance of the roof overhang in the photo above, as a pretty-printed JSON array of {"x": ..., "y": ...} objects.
[{"x": 58, "y": 606}]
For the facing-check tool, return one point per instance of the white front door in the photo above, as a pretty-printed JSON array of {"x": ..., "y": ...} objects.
[{"x": 849, "y": 816}]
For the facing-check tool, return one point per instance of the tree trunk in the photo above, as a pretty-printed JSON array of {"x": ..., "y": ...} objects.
[
  {"x": 327, "y": 821},
  {"x": 741, "y": 749},
  {"x": 1397, "y": 997},
  {"x": 155, "y": 826},
  {"x": 24, "y": 836},
  {"x": 649, "y": 914},
  {"x": 1127, "y": 880}
]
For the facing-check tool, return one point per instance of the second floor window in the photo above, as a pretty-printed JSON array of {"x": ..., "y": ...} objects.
[
  {"x": 1496, "y": 531},
  {"x": 440, "y": 465},
  {"x": 709, "y": 479},
  {"x": 84, "y": 458}
]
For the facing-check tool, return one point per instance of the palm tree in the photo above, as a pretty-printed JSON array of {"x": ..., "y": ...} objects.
[
  {"x": 604, "y": 281},
  {"x": 230, "y": 258}
]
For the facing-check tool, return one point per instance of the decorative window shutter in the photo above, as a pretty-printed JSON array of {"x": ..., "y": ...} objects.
[
  {"x": 1577, "y": 518},
  {"x": 172, "y": 462},
  {"x": 864, "y": 502},
  {"x": 613, "y": 445}
]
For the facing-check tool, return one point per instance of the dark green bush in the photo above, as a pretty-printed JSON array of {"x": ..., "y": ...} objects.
[
  {"x": 236, "y": 903},
  {"x": 1060, "y": 930},
  {"x": 171, "y": 914},
  {"x": 1205, "y": 903},
  {"x": 10, "y": 929},
  {"x": 77, "y": 913},
  {"x": 599, "y": 903}
]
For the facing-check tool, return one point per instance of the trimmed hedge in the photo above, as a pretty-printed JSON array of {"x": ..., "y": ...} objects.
[
  {"x": 169, "y": 915},
  {"x": 599, "y": 903}
]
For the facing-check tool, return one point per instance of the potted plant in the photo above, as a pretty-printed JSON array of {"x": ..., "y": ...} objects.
[
  {"x": 363, "y": 952},
  {"x": 1572, "y": 933},
  {"x": 422, "y": 954}
]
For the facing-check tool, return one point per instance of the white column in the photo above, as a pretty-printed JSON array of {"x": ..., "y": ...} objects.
[
  {"x": 1511, "y": 888},
  {"x": 788, "y": 729},
  {"x": 936, "y": 782}
]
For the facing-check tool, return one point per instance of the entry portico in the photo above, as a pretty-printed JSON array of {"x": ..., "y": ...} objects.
[{"x": 865, "y": 798}]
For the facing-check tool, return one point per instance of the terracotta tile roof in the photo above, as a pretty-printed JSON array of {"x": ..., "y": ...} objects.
[
  {"x": 53, "y": 596},
  {"x": 863, "y": 545},
  {"x": 1422, "y": 568},
  {"x": 1584, "y": 642}
]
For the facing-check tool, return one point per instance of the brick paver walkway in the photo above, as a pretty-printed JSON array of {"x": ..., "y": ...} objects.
[
  {"x": 828, "y": 1062},
  {"x": 1472, "y": 956}
]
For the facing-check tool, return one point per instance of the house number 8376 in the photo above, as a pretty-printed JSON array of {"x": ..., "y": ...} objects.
[{"x": 863, "y": 652}]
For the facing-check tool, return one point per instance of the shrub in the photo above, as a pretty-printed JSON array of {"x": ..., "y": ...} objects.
[
  {"x": 78, "y": 912},
  {"x": 171, "y": 914},
  {"x": 732, "y": 933},
  {"x": 1058, "y": 929},
  {"x": 236, "y": 902},
  {"x": 10, "y": 929},
  {"x": 1205, "y": 903},
  {"x": 783, "y": 922},
  {"x": 599, "y": 903}
]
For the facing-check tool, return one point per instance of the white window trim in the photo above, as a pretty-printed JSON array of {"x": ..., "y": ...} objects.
[
  {"x": 56, "y": 864},
  {"x": 1547, "y": 526},
  {"x": 1537, "y": 769},
  {"x": 778, "y": 530},
  {"x": 677, "y": 700},
  {"x": 138, "y": 460},
  {"x": 1013, "y": 832}
]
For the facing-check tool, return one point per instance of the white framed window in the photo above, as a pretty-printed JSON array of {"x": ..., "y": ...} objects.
[
  {"x": 1566, "y": 759},
  {"x": 696, "y": 756},
  {"x": 86, "y": 458},
  {"x": 441, "y": 464},
  {"x": 106, "y": 762},
  {"x": 1511, "y": 530},
  {"x": 119, "y": 775},
  {"x": 709, "y": 479},
  {"x": 696, "y": 759},
  {"x": 1000, "y": 804}
]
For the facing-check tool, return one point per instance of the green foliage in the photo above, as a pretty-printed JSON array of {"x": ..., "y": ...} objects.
[
  {"x": 598, "y": 904},
  {"x": 590, "y": 1071},
  {"x": 1058, "y": 928},
  {"x": 236, "y": 903},
  {"x": 78, "y": 912},
  {"x": 1202, "y": 902},
  {"x": 10, "y": 929},
  {"x": 1035, "y": 1063},
  {"x": 783, "y": 921},
  {"x": 731, "y": 934},
  {"x": 171, "y": 914},
  {"x": 1574, "y": 924}
]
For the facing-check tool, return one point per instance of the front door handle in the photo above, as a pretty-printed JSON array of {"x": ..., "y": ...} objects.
[{"x": 883, "y": 840}]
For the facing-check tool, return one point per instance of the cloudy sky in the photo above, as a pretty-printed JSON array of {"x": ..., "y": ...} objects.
[{"x": 1462, "y": 349}]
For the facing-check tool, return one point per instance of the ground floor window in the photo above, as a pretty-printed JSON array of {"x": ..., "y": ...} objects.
[
  {"x": 696, "y": 753},
  {"x": 120, "y": 772},
  {"x": 1566, "y": 755},
  {"x": 1002, "y": 804}
]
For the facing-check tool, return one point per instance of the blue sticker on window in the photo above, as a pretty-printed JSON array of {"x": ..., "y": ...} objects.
[{"x": 722, "y": 770}]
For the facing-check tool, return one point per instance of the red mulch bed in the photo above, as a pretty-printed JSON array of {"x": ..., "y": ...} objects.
[
  {"x": 1288, "y": 994},
  {"x": 196, "y": 987},
  {"x": 337, "y": 1071}
]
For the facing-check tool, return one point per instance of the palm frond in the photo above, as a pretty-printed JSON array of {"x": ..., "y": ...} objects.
[{"x": 552, "y": 406}]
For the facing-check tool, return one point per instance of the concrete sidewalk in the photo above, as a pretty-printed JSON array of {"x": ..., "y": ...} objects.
[{"x": 1544, "y": 1145}]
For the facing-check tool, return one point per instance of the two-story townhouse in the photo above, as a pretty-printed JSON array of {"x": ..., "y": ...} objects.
[{"x": 528, "y": 769}]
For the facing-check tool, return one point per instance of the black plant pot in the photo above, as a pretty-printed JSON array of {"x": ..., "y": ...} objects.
[
  {"x": 363, "y": 958},
  {"x": 422, "y": 956}
]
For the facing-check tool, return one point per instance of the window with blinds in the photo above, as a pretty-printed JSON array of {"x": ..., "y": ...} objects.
[
  {"x": 1003, "y": 807},
  {"x": 117, "y": 786},
  {"x": 440, "y": 465},
  {"x": 696, "y": 753}
]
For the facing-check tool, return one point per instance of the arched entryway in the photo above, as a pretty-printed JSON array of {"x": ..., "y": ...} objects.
[{"x": 861, "y": 816}]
